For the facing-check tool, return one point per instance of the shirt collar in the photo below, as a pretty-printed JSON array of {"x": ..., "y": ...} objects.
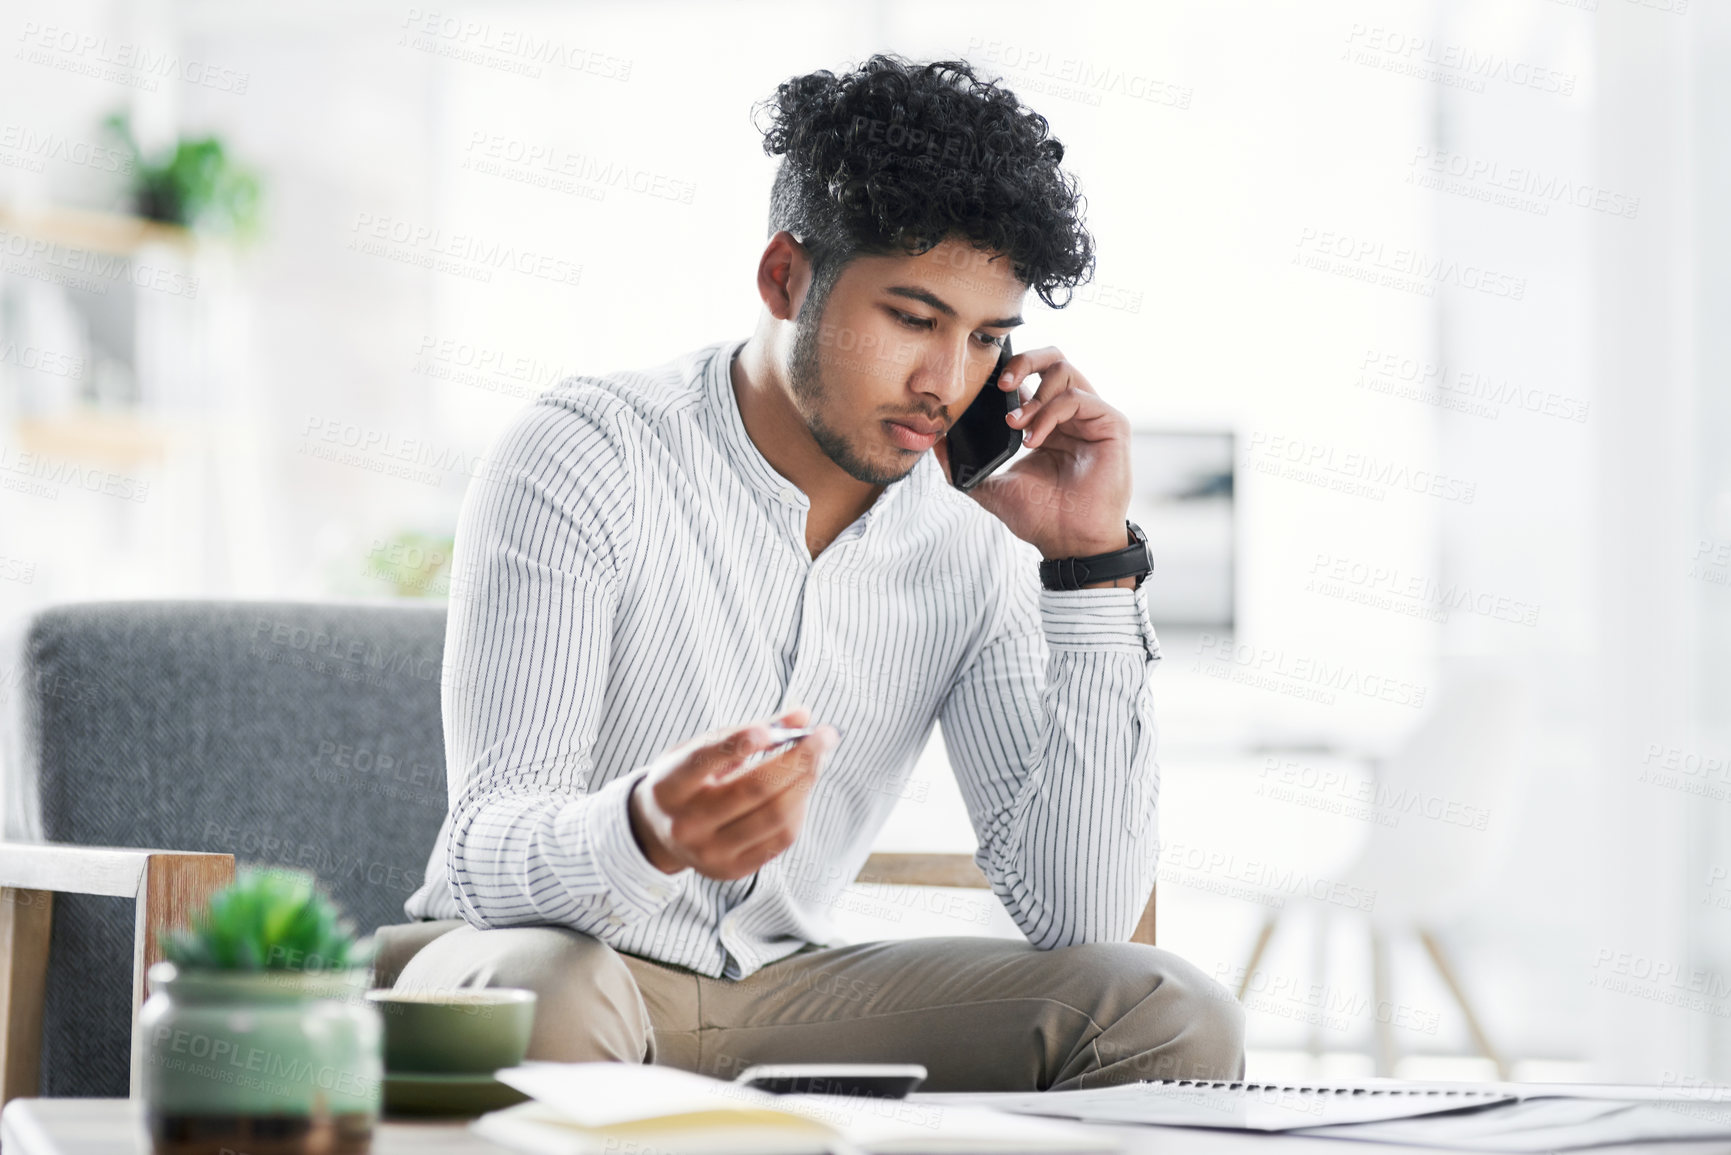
[{"x": 755, "y": 467}]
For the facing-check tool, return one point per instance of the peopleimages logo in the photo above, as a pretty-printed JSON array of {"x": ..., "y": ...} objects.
[
  {"x": 132, "y": 65},
  {"x": 1476, "y": 393},
  {"x": 504, "y": 48},
  {"x": 1399, "y": 266},
  {"x": 87, "y": 270},
  {"x": 1515, "y": 186},
  {"x": 1074, "y": 78},
  {"x": 1388, "y": 587},
  {"x": 496, "y": 154},
  {"x": 1354, "y": 473},
  {"x": 1194, "y": 865},
  {"x": 33, "y": 150},
  {"x": 462, "y": 254},
  {"x": 1302, "y": 676},
  {"x": 39, "y": 475},
  {"x": 1456, "y": 65}
]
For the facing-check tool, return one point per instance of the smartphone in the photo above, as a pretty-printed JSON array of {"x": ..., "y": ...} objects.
[
  {"x": 873, "y": 1080},
  {"x": 981, "y": 440}
]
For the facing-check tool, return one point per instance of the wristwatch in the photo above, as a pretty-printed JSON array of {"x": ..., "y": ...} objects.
[{"x": 1072, "y": 573}]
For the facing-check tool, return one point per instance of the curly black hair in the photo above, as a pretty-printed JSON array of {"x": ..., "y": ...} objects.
[{"x": 897, "y": 157}]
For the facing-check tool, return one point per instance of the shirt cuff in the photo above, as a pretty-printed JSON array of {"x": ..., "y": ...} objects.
[
  {"x": 1108, "y": 618},
  {"x": 640, "y": 889}
]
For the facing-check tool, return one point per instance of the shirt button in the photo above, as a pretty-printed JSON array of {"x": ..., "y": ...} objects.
[{"x": 789, "y": 495}]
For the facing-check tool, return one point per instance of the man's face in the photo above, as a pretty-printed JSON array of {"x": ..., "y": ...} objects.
[{"x": 900, "y": 339}]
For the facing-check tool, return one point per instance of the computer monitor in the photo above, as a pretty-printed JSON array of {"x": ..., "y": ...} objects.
[{"x": 1183, "y": 498}]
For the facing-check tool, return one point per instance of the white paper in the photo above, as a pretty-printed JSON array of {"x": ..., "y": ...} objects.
[
  {"x": 1236, "y": 1107},
  {"x": 603, "y": 1094},
  {"x": 667, "y": 1110},
  {"x": 1553, "y": 1124}
]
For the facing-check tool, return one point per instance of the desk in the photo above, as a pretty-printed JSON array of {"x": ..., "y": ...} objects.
[{"x": 116, "y": 1127}]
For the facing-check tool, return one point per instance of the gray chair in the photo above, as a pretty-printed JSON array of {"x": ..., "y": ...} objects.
[
  {"x": 252, "y": 731},
  {"x": 265, "y": 732}
]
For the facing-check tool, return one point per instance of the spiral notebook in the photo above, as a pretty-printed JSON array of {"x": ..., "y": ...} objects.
[{"x": 1236, "y": 1106}]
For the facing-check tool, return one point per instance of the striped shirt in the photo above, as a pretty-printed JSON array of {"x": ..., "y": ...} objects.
[{"x": 631, "y": 572}]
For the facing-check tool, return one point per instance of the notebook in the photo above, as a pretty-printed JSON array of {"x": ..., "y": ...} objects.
[
  {"x": 644, "y": 1109},
  {"x": 1236, "y": 1106}
]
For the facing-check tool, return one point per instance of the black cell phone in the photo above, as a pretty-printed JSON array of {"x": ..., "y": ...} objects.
[
  {"x": 871, "y": 1080},
  {"x": 981, "y": 440}
]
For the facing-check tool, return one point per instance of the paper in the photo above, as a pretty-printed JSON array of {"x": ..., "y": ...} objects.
[
  {"x": 1552, "y": 1124},
  {"x": 1233, "y": 1106},
  {"x": 579, "y": 1108},
  {"x": 605, "y": 1094}
]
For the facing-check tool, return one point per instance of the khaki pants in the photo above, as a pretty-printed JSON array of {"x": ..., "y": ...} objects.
[{"x": 982, "y": 1014}]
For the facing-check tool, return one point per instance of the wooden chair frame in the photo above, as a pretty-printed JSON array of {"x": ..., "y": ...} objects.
[
  {"x": 166, "y": 886},
  {"x": 960, "y": 870}
]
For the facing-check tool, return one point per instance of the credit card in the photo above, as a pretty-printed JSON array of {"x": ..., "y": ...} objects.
[
  {"x": 779, "y": 734},
  {"x": 781, "y": 738}
]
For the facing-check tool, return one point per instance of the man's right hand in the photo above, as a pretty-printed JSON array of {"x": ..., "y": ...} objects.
[{"x": 690, "y": 810}]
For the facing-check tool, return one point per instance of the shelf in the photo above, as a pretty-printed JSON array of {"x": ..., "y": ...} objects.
[
  {"x": 112, "y": 439},
  {"x": 95, "y": 231}
]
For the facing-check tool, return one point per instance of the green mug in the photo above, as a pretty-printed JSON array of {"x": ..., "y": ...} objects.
[{"x": 465, "y": 1031}]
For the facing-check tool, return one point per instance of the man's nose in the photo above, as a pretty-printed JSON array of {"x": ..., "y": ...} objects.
[{"x": 945, "y": 376}]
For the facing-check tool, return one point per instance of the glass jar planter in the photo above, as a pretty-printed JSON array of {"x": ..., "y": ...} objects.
[{"x": 268, "y": 1062}]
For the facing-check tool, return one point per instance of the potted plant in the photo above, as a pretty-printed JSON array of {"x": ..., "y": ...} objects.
[
  {"x": 196, "y": 184},
  {"x": 257, "y": 1035}
]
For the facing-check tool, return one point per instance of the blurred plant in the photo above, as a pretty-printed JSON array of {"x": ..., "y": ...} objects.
[
  {"x": 268, "y": 918},
  {"x": 415, "y": 564},
  {"x": 195, "y": 185}
]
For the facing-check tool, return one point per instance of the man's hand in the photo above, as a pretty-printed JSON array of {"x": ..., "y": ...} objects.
[
  {"x": 1070, "y": 496},
  {"x": 691, "y": 809}
]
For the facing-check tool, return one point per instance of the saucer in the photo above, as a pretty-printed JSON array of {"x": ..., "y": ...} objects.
[{"x": 409, "y": 1093}]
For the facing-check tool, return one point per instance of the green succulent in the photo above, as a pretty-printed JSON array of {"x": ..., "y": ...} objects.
[{"x": 268, "y": 918}]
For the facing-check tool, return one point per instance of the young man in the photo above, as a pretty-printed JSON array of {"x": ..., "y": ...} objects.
[{"x": 656, "y": 564}]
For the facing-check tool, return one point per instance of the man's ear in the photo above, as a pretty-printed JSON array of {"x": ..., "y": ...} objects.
[{"x": 783, "y": 275}]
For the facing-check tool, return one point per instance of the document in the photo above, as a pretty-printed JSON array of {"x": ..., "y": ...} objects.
[
  {"x": 619, "y": 1108},
  {"x": 1495, "y": 1117},
  {"x": 1234, "y": 1106},
  {"x": 1544, "y": 1124}
]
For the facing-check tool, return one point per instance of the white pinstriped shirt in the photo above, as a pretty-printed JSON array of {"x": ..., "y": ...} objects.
[{"x": 631, "y": 571}]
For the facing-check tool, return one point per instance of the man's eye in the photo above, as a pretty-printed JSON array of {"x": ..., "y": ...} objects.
[
  {"x": 992, "y": 342},
  {"x": 913, "y": 322}
]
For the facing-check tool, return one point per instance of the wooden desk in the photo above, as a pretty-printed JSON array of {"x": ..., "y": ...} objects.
[{"x": 116, "y": 1127}]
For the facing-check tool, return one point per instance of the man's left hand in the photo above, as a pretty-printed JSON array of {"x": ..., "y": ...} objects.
[{"x": 1069, "y": 496}]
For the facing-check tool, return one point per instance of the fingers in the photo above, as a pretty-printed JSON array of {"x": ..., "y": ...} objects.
[
  {"x": 698, "y": 759},
  {"x": 1048, "y": 365},
  {"x": 1064, "y": 407},
  {"x": 1065, "y": 399},
  {"x": 715, "y": 813},
  {"x": 724, "y": 802},
  {"x": 1058, "y": 378},
  {"x": 719, "y": 751},
  {"x": 760, "y": 835}
]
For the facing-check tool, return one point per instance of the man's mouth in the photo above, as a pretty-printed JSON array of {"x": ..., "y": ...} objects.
[{"x": 914, "y": 436}]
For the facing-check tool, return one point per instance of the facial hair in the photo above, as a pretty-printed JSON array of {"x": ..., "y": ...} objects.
[{"x": 805, "y": 377}]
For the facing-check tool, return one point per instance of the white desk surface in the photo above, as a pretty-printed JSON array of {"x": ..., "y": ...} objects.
[{"x": 116, "y": 1127}]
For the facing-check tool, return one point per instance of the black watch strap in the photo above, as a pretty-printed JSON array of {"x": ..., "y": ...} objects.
[{"x": 1072, "y": 573}]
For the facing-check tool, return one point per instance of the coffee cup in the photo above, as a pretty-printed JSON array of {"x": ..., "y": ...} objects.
[{"x": 466, "y": 1030}]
